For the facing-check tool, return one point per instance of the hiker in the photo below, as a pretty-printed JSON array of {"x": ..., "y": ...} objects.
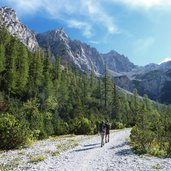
[
  {"x": 107, "y": 125},
  {"x": 102, "y": 130}
]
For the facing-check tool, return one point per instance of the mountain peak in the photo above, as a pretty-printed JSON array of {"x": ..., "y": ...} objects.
[
  {"x": 112, "y": 52},
  {"x": 8, "y": 10},
  {"x": 9, "y": 20},
  {"x": 61, "y": 32},
  {"x": 54, "y": 35},
  {"x": 7, "y": 13},
  {"x": 117, "y": 62}
]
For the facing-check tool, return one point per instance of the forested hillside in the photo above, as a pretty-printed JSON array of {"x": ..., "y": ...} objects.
[{"x": 39, "y": 98}]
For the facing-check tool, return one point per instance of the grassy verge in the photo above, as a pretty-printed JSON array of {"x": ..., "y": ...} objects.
[
  {"x": 36, "y": 159},
  {"x": 11, "y": 165}
]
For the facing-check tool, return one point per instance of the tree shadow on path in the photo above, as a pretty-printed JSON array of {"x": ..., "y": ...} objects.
[
  {"x": 119, "y": 146},
  {"x": 88, "y": 147},
  {"x": 124, "y": 152},
  {"x": 122, "y": 149}
]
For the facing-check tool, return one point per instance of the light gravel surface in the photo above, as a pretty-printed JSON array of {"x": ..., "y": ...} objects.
[{"x": 86, "y": 156}]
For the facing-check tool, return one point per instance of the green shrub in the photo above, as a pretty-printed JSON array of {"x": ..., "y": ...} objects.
[
  {"x": 141, "y": 139},
  {"x": 12, "y": 132},
  {"x": 82, "y": 126},
  {"x": 117, "y": 125},
  {"x": 157, "y": 152},
  {"x": 60, "y": 127}
]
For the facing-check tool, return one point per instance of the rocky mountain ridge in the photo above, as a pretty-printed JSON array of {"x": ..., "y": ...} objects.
[
  {"x": 82, "y": 55},
  {"x": 151, "y": 79},
  {"x": 10, "y": 21}
]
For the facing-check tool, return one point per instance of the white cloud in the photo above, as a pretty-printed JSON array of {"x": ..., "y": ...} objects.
[
  {"x": 98, "y": 14},
  {"x": 165, "y": 60},
  {"x": 94, "y": 42},
  {"x": 80, "y": 14},
  {"x": 26, "y": 7},
  {"x": 146, "y": 4},
  {"x": 85, "y": 27}
]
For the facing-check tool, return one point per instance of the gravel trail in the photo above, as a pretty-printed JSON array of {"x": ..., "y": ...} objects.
[{"x": 89, "y": 156}]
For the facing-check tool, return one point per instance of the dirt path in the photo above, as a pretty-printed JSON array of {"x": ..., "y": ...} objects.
[
  {"x": 115, "y": 156},
  {"x": 89, "y": 156}
]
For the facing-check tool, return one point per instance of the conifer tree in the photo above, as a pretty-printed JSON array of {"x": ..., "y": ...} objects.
[
  {"x": 135, "y": 106},
  {"x": 2, "y": 57},
  {"x": 22, "y": 68},
  {"x": 5, "y": 37},
  {"x": 11, "y": 57},
  {"x": 47, "y": 72},
  {"x": 35, "y": 73},
  {"x": 108, "y": 85},
  {"x": 86, "y": 88},
  {"x": 57, "y": 69},
  {"x": 64, "y": 92},
  {"x": 115, "y": 105}
]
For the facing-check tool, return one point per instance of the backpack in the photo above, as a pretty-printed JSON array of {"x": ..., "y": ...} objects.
[
  {"x": 107, "y": 126},
  {"x": 102, "y": 127}
]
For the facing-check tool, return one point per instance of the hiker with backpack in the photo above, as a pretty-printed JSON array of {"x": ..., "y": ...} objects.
[
  {"x": 102, "y": 131},
  {"x": 107, "y": 125}
]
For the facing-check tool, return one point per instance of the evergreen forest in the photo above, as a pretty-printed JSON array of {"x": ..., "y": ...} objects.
[{"x": 39, "y": 98}]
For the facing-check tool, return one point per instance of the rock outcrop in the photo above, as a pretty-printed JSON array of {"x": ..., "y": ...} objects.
[
  {"x": 82, "y": 55},
  {"x": 9, "y": 20},
  {"x": 117, "y": 62},
  {"x": 152, "y": 79}
]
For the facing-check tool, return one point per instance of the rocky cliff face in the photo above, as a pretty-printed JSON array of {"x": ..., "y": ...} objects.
[
  {"x": 149, "y": 79},
  {"x": 9, "y": 20},
  {"x": 117, "y": 62},
  {"x": 81, "y": 54},
  {"x": 152, "y": 79},
  {"x": 154, "y": 84}
]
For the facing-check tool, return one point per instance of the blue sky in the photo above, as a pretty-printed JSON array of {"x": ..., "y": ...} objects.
[{"x": 139, "y": 29}]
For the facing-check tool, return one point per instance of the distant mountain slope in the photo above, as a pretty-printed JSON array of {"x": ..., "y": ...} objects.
[
  {"x": 152, "y": 79},
  {"x": 81, "y": 54},
  {"x": 9, "y": 20},
  {"x": 157, "y": 84},
  {"x": 117, "y": 62}
]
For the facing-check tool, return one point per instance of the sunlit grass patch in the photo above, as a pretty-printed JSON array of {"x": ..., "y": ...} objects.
[
  {"x": 62, "y": 136},
  {"x": 157, "y": 166},
  {"x": 55, "y": 153},
  {"x": 35, "y": 159},
  {"x": 21, "y": 153},
  {"x": 11, "y": 165},
  {"x": 58, "y": 145},
  {"x": 48, "y": 151}
]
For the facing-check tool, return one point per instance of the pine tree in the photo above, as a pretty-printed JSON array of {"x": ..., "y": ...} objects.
[
  {"x": 108, "y": 85},
  {"x": 115, "y": 105},
  {"x": 2, "y": 57},
  {"x": 64, "y": 92},
  {"x": 47, "y": 72},
  {"x": 22, "y": 68},
  {"x": 5, "y": 36},
  {"x": 11, "y": 57},
  {"x": 86, "y": 88},
  {"x": 93, "y": 82},
  {"x": 35, "y": 73},
  {"x": 99, "y": 91},
  {"x": 57, "y": 69},
  {"x": 135, "y": 105},
  {"x": 105, "y": 87}
]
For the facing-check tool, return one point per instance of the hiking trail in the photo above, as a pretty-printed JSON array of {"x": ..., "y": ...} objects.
[{"x": 89, "y": 156}]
